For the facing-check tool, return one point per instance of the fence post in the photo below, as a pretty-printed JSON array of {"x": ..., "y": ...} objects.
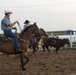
[
  {"x": 71, "y": 40},
  {"x": 52, "y": 34}
]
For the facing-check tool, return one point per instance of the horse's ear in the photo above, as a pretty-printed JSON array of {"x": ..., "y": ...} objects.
[
  {"x": 35, "y": 22},
  {"x": 42, "y": 29}
]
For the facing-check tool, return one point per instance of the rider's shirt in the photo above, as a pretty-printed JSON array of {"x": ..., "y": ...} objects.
[
  {"x": 5, "y": 24},
  {"x": 26, "y": 25}
]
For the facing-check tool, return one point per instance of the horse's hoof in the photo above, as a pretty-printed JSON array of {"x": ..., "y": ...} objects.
[
  {"x": 24, "y": 69},
  {"x": 33, "y": 51},
  {"x": 48, "y": 51}
]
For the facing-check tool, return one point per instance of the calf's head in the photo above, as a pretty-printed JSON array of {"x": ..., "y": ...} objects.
[{"x": 66, "y": 41}]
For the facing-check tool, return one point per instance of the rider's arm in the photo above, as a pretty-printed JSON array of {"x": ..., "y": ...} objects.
[
  {"x": 12, "y": 24},
  {"x": 7, "y": 22}
]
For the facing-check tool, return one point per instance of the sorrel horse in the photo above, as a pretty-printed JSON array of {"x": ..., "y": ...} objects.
[
  {"x": 36, "y": 43},
  {"x": 25, "y": 36}
]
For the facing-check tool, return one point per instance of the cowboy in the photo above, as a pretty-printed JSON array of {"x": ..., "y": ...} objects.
[
  {"x": 7, "y": 26},
  {"x": 27, "y": 24},
  {"x": 32, "y": 41}
]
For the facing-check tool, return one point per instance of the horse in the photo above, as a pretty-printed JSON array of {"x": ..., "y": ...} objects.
[
  {"x": 24, "y": 38},
  {"x": 37, "y": 39}
]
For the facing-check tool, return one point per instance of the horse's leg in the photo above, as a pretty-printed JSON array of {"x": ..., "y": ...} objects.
[
  {"x": 26, "y": 61},
  {"x": 37, "y": 47},
  {"x": 33, "y": 50},
  {"x": 22, "y": 60},
  {"x": 27, "y": 57},
  {"x": 43, "y": 48}
]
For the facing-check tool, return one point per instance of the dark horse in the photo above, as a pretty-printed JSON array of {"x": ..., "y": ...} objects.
[
  {"x": 8, "y": 47},
  {"x": 37, "y": 39}
]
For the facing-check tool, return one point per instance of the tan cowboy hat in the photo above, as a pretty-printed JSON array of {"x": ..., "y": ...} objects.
[
  {"x": 26, "y": 21},
  {"x": 9, "y": 12}
]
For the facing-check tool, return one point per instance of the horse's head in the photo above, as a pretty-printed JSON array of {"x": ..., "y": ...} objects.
[
  {"x": 44, "y": 33},
  {"x": 32, "y": 29},
  {"x": 36, "y": 30}
]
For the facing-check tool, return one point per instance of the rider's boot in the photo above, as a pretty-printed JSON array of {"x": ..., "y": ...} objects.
[{"x": 18, "y": 50}]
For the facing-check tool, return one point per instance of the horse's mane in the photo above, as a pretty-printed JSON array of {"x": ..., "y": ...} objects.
[
  {"x": 25, "y": 29},
  {"x": 43, "y": 30}
]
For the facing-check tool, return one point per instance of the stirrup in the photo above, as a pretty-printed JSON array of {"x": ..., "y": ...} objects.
[{"x": 18, "y": 50}]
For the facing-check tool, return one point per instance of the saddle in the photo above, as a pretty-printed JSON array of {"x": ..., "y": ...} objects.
[{"x": 4, "y": 39}]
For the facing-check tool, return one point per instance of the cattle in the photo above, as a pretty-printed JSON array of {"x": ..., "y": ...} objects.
[{"x": 54, "y": 42}]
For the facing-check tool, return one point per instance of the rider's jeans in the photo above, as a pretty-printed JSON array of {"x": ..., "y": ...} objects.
[
  {"x": 12, "y": 35},
  {"x": 31, "y": 42}
]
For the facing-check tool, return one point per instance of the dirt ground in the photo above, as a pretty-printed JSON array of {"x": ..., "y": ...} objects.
[{"x": 41, "y": 63}]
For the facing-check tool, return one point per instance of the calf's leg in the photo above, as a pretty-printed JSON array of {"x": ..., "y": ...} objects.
[
  {"x": 57, "y": 49},
  {"x": 48, "y": 49}
]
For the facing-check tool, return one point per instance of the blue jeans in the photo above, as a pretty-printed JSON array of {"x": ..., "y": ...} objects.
[
  {"x": 31, "y": 42},
  {"x": 12, "y": 35}
]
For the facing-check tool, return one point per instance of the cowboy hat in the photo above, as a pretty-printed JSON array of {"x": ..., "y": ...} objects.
[
  {"x": 9, "y": 12},
  {"x": 26, "y": 21}
]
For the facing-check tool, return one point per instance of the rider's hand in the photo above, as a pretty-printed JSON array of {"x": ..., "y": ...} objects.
[{"x": 14, "y": 28}]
